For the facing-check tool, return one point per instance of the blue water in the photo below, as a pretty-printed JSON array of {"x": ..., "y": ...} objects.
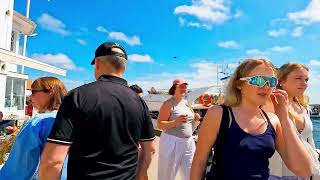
[{"x": 316, "y": 131}]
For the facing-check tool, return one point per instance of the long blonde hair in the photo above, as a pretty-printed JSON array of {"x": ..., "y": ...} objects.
[
  {"x": 55, "y": 88},
  {"x": 282, "y": 76},
  {"x": 233, "y": 93}
]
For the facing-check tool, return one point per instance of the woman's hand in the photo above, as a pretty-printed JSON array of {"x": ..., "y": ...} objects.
[
  {"x": 180, "y": 120},
  {"x": 197, "y": 117},
  {"x": 280, "y": 103}
]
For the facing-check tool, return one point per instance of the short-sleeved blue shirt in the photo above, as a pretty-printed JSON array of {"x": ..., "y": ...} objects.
[{"x": 24, "y": 157}]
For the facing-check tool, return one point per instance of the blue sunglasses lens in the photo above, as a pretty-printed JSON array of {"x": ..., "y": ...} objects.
[
  {"x": 260, "y": 81},
  {"x": 272, "y": 81}
]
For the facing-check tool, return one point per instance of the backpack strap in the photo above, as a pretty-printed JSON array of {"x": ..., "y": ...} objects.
[
  {"x": 224, "y": 126},
  {"x": 221, "y": 137}
]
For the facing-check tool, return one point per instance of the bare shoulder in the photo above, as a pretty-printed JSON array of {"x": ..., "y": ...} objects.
[
  {"x": 210, "y": 126},
  {"x": 166, "y": 104},
  {"x": 214, "y": 114},
  {"x": 215, "y": 109}
]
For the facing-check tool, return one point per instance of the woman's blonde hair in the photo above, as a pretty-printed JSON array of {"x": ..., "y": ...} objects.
[
  {"x": 282, "y": 76},
  {"x": 232, "y": 92},
  {"x": 56, "y": 90}
]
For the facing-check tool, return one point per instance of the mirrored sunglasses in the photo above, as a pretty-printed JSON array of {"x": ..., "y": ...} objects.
[{"x": 261, "y": 81}]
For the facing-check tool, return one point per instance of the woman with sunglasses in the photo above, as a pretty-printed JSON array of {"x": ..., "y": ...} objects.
[
  {"x": 22, "y": 163},
  {"x": 293, "y": 78},
  {"x": 244, "y": 137},
  {"x": 176, "y": 146}
]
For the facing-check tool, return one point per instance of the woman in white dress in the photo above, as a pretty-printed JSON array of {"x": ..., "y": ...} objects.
[{"x": 293, "y": 78}]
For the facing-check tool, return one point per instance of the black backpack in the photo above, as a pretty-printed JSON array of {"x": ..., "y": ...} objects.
[{"x": 213, "y": 171}]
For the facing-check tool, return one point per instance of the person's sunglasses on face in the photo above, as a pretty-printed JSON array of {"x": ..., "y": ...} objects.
[
  {"x": 261, "y": 81},
  {"x": 34, "y": 91},
  {"x": 183, "y": 86}
]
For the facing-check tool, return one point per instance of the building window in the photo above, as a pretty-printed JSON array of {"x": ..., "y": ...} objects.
[{"x": 15, "y": 94}]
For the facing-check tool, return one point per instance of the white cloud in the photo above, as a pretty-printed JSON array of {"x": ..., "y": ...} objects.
[
  {"x": 204, "y": 70},
  {"x": 198, "y": 25},
  {"x": 208, "y": 12},
  {"x": 102, "y": 29},
  {"x": 228, "y": 44},
  {"x": 60, "y": 60},
  {"x": 71, "y": 84},
  {"x": 132, "y": 41},
  {"x": 255, "y": 52},
  {"x": 52, "y": 24},
  {"x": 194, "y": 24},
  {"x": 269, "y": 51},
  {"x": 277, "y": 33},
  {"x": 182, "y": 21},
  {"x": 314, "y": 63},
  {"x": 278, "y": 21},
  {"x": 281, "y": 49},
  {"x": 214, "y": 11},
  {"x": 185, "y": 22},
  {"x": 307, "y": 16},
  {"x": 314, "y": 81},
  {"x": 140, "y": 58},
  {"x": 203, "y": 74},
  {"x": 297, "y": 32},
  {"x": 82, "y": 42},
  {"x": 238, "y": 14}
]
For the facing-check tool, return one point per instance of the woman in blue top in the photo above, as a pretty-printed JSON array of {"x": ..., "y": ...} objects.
[
  {"x": 244, "y": 144},
  {"x": 24, "y": 158}
]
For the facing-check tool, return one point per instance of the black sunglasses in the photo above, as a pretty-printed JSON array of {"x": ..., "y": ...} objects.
[{"x": 34, "y": 91}]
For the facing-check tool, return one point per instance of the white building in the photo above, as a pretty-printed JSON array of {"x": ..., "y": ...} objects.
[{"x": 14, "y": 26}]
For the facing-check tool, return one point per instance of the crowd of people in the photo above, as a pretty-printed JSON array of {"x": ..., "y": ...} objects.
[{"x": 103, "y": 130}]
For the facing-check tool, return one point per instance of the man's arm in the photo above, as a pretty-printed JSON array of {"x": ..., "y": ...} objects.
[
  {"x": 146, "y": 141},
  {"x": 146, "y": 155},
  {"x": 52, "y": 159}
]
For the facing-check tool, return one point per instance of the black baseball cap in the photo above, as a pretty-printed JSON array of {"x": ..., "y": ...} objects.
[{"x": 107, "y": 49}]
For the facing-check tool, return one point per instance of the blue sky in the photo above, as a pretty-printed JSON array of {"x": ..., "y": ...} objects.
[{"x": 199, "y": 33}]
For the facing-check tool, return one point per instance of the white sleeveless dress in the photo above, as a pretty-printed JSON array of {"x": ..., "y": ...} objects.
[{"x": 278, "y": 170}]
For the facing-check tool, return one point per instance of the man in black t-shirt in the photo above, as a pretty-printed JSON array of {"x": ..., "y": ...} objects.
[{"x": 101, "y": 124}]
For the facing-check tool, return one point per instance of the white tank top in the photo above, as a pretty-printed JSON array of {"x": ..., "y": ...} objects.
[{"x": 277, "y": 166}]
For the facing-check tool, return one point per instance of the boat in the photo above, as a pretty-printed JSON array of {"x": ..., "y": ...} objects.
[{"x": 315, "y": 110}]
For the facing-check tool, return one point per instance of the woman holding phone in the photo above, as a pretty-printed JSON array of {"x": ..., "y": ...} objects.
[
  {"x": 244, "y": 136},
  {"x": 176, "y": 146}
]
